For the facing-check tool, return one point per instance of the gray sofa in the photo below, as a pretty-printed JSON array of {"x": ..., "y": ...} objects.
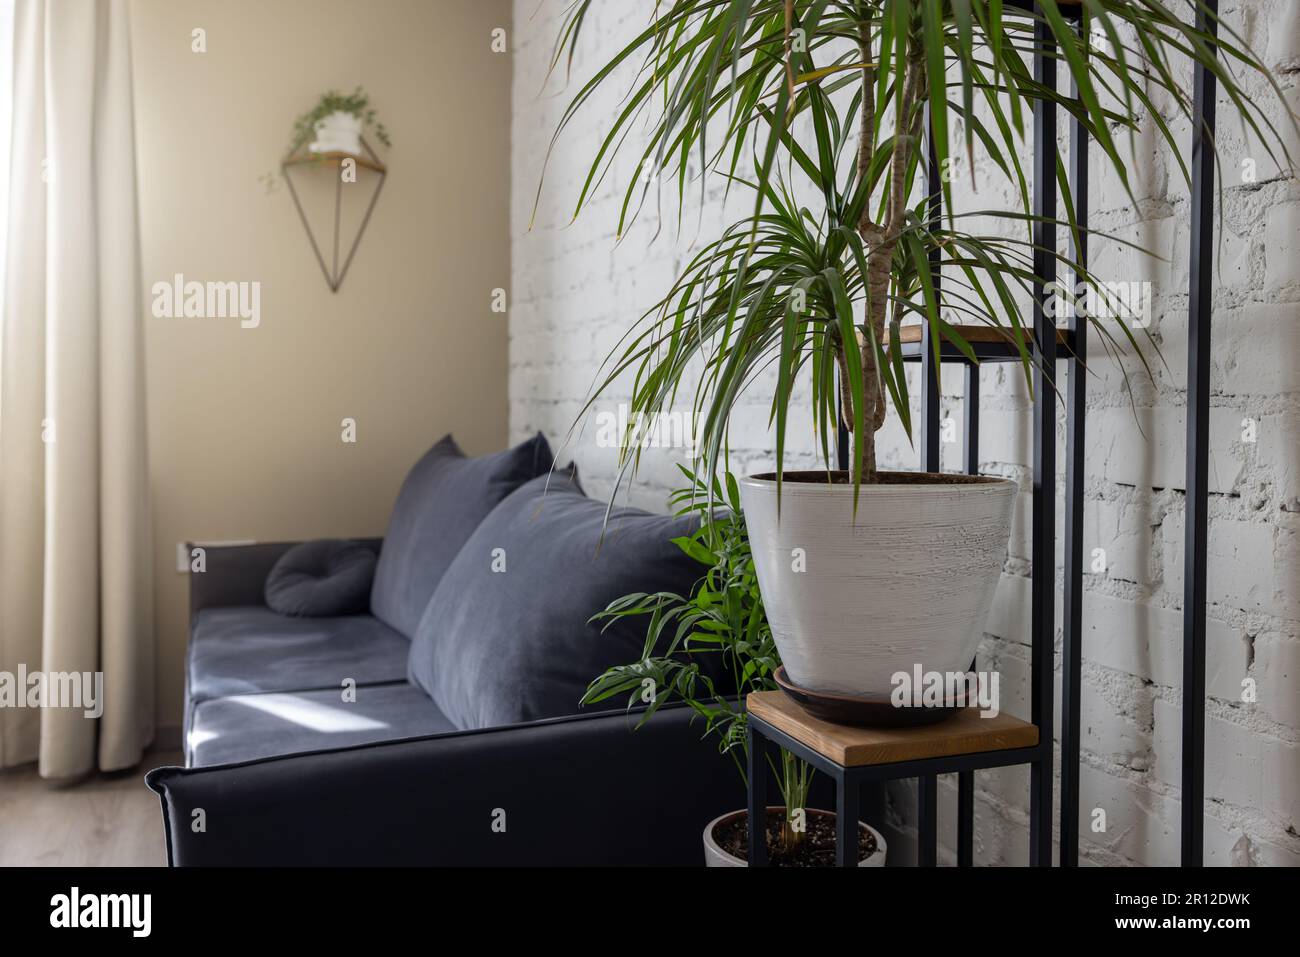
[
  {"x": 258, "y": 683},
  {"x": 440, "y": 725}
]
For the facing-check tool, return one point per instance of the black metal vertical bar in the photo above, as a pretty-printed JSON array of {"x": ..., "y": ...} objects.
[
  {"x": 927, "y": 806},
  {"x": 757, "y": 772},
  {"x": 930, "y": 401},
  {"x": 1043, "y": 550},
  {"x": 971, "y": 425},
  {"x": 842, "y": 435},
  {"x": 1198, "y": 423},
  {"x": 966, "y": 819},
  {"x": 1076, "y": 414},
  {"x": 971, "y": 462},
  {"x": 934, "y": 207},
  {"x": 931, "y": 405},
  {"x": 847, "y": 812}
]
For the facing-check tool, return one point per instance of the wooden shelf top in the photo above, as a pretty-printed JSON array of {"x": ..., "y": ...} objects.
[
  {"x": 973, "y": 334},
  {"x": 851, "y": 747},
  {"x": 334, "y": 159}
]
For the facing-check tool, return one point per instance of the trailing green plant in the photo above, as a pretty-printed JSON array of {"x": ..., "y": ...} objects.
[
  {"x": 356, "y": 103},
  {"x": 831, "y": 98},
  {"x": 723, "y": 615}
]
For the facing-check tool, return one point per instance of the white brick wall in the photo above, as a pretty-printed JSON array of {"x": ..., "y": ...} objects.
[{"x": 575, "y": 290}]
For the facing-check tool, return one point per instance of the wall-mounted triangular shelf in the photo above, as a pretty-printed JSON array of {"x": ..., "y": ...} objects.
[{"x": 336, "y": 160}]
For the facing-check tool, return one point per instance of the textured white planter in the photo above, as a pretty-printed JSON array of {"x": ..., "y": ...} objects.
[
  {"x": 907, "y": 582},
  {"x": 715, "y": 856},
  {"x": 338, "y": 133}
]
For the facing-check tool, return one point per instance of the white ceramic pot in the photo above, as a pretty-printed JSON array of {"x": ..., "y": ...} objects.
[
  {"x": 907, "y": 582},
  {"x": 715, "y": 856},
  {"x": 338, "y": 133}
]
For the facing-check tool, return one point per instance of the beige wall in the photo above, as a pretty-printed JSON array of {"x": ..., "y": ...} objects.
[{"x": 244, "y": 424}]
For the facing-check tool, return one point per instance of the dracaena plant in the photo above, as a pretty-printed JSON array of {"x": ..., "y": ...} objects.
[{"x": 783, "y": 99}]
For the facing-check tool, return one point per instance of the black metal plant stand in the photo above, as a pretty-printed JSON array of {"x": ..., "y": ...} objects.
[
  {"x": 853, "y": 758},
  {"x": 1069, "y": 344}
]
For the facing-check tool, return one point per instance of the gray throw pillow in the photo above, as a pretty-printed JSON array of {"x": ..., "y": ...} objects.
[
  {"x": 506, "y": 638},
  {"x": 442, "y": 501},
  {"x": 322, "y": 578}
]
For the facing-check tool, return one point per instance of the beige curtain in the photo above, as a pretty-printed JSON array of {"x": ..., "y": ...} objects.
[{"x": 74, "y": 542}]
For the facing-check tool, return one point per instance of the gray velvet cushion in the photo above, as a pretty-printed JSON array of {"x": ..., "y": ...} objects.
[
  {"x": 238, "y": 650},
  {"x": 442, "y": 501},
  {"x": 498, "y": 647},
  {"x": 250, "y": 726},
  {"x": 325, "y": 577}
]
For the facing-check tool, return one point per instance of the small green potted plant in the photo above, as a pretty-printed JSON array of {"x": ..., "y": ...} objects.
[
  {"x": 723, "y": 615},
  {"x": 335, "y": 124}
]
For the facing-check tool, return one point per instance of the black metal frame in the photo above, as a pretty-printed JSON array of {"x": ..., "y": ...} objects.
[
  {"x": 333, "y": 274},
  {"x": 763, "y": 736},
  {"x": 1199, "y": 307},
  {"x": 1047, "y": 341},
  {"x": 1072, "y": 606}
]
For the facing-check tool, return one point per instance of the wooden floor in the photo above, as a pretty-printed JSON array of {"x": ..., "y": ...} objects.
[{"x": 110, "y": 819}]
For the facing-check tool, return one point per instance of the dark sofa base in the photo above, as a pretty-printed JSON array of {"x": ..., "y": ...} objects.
[{"x": 586, "y": 790}]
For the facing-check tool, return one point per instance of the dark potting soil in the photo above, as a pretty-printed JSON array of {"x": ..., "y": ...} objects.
[{"x": 817, "y": 849}]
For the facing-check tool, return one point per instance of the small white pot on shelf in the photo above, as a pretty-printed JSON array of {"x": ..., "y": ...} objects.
[{"x": 338, "y": 133}]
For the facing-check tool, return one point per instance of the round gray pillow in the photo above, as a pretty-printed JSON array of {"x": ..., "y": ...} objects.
[{"x": 321, "y": 578}]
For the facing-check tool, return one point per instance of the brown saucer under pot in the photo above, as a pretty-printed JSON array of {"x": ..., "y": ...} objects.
[{"x": 876, "y": 711}]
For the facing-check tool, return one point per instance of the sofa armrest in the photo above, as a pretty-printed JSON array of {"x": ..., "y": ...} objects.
[
  {"x": 585, "y": 790},
  {"x": 236, "y": 574}
]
